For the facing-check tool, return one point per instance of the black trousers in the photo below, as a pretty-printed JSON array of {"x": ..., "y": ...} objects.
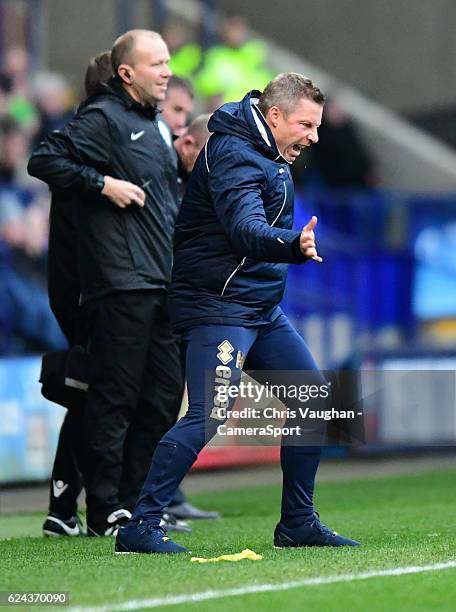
[
  {"x": 67, "y": 479},
  {"x": 64, "y": 290},
  {"x": 134, "y": 398}
]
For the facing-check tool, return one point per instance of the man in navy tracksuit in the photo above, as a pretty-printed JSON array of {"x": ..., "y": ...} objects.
[{"x": 233, "y": 242}]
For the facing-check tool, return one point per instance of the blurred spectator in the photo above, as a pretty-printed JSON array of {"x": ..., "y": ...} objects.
[
  {"x": 26, "y": 321},
  {"x": 341, "y": 159},
  {"x": 24, "y": 305},
  {"x": 24, "y": 231},
  {"x": 54, "y": 101},
  {"x": 15, "y": 71},
  {"x": 14, "y": 150},
  {"x": 186, "y": 56},
  {"x": 15, "y": 99},
  {"x": 189, "y": 145},
  {"x": 236, "y": 65},
  {"x": 12, "y": 229},
  {"x": 178, "y": 105}
]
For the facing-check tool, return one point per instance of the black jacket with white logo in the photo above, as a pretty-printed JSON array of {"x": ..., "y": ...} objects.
[{"x": 111, "y": 134}]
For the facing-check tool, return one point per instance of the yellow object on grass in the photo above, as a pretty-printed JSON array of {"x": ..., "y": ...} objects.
[{"x": 245, "y": 554}]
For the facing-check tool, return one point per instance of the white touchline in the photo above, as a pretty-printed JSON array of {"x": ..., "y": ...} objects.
[{"x": 141, "y": 604}]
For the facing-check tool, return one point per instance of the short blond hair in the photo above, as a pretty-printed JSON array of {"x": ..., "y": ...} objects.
[{"x": 285, "y": 91}]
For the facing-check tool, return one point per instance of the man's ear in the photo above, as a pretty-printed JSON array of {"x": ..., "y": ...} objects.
[
  {"x": 125, "y": 73},
  {"x": 188, "y": 141},
  {"x": 273, "y": 116}
]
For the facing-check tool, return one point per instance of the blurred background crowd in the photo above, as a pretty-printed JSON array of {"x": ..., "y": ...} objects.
[
  {"x": 389, "y": 278},
  {"x": 30, "y": 106}
]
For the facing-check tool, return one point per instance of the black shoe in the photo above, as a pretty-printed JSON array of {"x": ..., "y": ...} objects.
[
  {"x": 55, "y": 525},
  {"x": 312, "y": 533},
  {"x": 110, "y": 526},
  {"x": 170, "y": 523},
  {"x": 145, "y": 538},
  {"x": 190, "y": 512}
]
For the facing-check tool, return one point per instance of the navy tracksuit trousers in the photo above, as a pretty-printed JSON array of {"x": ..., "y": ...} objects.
[{"x": 274, "y": 346}]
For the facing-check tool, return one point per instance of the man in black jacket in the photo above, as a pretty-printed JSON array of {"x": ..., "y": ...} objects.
[
  {"x": 113, "y": 152},
  {"x": 64, "y": 291}
]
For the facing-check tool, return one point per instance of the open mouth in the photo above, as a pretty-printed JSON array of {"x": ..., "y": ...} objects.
[{"x": 298, "y": 147}]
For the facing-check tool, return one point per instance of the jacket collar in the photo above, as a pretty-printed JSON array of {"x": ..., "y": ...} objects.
[
  {"x": 149, "y": 110},
  {"x": 264, "y": 129}
]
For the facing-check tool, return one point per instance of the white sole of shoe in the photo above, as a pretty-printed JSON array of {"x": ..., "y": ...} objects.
[
  {"x": 69, "y": 531},
  {"x": 126, "y": 552},
  {"x": 51, "y": 534}
]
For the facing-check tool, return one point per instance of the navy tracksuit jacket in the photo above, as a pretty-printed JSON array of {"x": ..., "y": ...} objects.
[{"x": 233, "y": 241}]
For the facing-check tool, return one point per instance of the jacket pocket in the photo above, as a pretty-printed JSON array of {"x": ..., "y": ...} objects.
[{"x": 231, "y": 276}]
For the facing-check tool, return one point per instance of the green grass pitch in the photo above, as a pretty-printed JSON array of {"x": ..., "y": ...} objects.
[{"x": 402, "y": 521}]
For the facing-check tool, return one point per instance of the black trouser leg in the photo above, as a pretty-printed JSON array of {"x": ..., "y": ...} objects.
[
  {"x": 158, "y": 407},
  {"x": 121, "y": 325},
  {"x": 66, "y": 480},
  {"x": 66, "y": 483}
]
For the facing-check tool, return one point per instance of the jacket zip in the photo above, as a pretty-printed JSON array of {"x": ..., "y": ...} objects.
[{"x": 239, "y": 266}]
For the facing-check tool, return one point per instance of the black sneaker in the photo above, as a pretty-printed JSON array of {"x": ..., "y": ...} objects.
[
  {"x": 170, "y": 523},
  {"x": 55, "y": 525},
  {"x": 312, "y": 533},
  {"x": 145, "y": 538},
  {"x": 110, "y": 527},
  {"x": 187, "y": 511}
]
